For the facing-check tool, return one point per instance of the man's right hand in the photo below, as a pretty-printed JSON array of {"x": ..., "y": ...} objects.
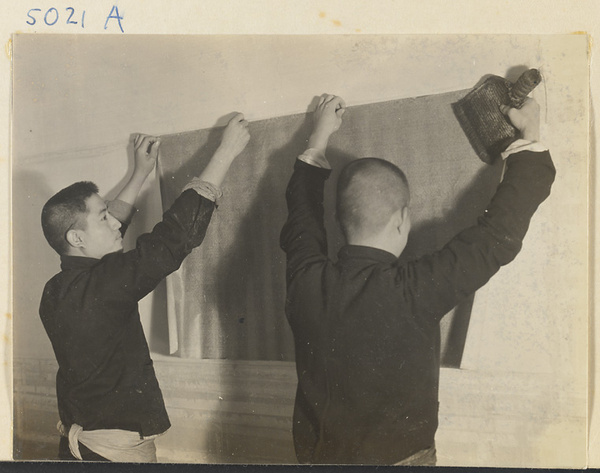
[
  {"x": 327, "y": 119},
  {"x": 146, "y": 152},
  {"x": 235, "y": 137},
  {"x": 526, "y": 119}
]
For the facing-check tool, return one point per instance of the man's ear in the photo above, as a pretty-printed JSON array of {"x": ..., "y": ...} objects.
[
  {"x": 75, "y": 239},
  {"x": 404, "y": 224},
  {"x": 396, "y": 219},
  {"x": 405, "y": 215}
]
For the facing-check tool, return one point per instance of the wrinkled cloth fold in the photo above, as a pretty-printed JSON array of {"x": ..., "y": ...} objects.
[
  {"x": 113, "y": 444},
  {"x": 523, "y": 145},
  {"x": 205, "y": 189}
]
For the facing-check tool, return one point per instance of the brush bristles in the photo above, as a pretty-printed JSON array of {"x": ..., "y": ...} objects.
[{"x": 480, "y": 117}]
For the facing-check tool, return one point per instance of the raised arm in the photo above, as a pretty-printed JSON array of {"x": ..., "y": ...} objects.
[
  {"x": 439, "y": 281},
  {"x": 327, "y": 119},
  {"x": 183, "y": 226},
  {"x": 145, "y": 149},
  {"x": 235, "y": 139},
  {"x": 303, "y": 236}
]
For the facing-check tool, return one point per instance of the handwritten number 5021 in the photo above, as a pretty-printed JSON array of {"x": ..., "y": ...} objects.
[{"x": 52, "y": 16}]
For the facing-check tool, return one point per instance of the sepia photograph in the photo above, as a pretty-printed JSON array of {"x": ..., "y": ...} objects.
[{"x": 301, "y": 249}]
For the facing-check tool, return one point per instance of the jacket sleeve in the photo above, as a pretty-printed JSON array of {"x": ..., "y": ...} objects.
[
  {"x": 303, "y": 236},
  {"x": 438, "y": 282},
  {"x": 157, "y": 254}
]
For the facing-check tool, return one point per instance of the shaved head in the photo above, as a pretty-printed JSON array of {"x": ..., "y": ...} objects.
[{"x": 369, "y": 192}]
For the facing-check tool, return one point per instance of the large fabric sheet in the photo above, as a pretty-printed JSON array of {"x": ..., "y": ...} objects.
[{"x": 227, "y": 300}]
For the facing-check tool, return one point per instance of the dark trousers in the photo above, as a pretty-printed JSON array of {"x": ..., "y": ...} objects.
[{"x": 64, "y": 453}]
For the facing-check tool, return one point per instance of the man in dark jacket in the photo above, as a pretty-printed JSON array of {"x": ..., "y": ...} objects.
[
  {"x": 366, "y": 327},
  {"x": 109, "y": 400}
]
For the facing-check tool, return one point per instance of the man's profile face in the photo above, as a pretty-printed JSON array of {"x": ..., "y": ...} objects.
[{"x": 101, "y": 235}]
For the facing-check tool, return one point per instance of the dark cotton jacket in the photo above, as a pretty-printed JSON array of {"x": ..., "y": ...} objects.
[
  {"x": 366, "y": 327},
  {"x": 106, "y": 378}
]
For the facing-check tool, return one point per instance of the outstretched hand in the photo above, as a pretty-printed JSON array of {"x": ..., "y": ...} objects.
[
  {"x": 146, "y": 153},
  {"x": 526, "y": 119},
  {"x": 145, "y": 150},
  {"x": 236, "y": 136},
  {"x": 327, "y": 119}
]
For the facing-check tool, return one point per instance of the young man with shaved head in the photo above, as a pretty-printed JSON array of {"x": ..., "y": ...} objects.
[
  {"x": 366, "y": 327},
  {"x": 109, "y": 401}
]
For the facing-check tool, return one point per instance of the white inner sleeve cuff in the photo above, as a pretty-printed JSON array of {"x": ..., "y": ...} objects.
[
  {"x": 523, "y": 145},
  {"x": 205, "y": 189},
  {"x": 315, "y": 157}
]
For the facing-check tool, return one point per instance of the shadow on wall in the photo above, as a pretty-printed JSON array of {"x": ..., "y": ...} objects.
[
  {"x": 246, "y": 406},
  {"x": 256, "y": 245},
  {"x": 34, "y": 261},
  {"x": 239, "y": 269},
  {"x": 33, "y": 393},
  {"x": 434, "y": 234},
  {"x": 171, "y": 184}
]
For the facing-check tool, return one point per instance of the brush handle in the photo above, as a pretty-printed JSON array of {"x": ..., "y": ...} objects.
[{"x": 524, "y": 85}]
